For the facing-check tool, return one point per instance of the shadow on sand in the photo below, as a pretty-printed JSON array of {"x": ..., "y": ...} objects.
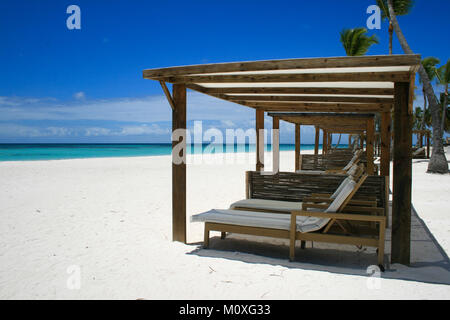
[{"x": 429, "y": 262}]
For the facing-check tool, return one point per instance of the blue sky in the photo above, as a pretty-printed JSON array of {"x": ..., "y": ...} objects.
[{"x": 61, "y": 85}]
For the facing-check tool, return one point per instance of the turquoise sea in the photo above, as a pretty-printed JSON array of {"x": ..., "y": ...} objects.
[{"x": 24, "y": 152}]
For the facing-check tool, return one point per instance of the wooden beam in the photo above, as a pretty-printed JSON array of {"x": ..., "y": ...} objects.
[
  {"x": 297, "y": 147},
  {"x": 292, "y": 77},
  {"x": 276, "y": 144},
  {"x": 385, "y": 144},
  {"x": 259, "y": 140},
  {"x": 283, "y": 64},
  {"x": 370, "y": 133},
  {"x": 295, "y": 90},
  {"x": 401, "y": 204},
  {"x": 310, "y": 99},
  {"x": 324, "y": 141},
  {"x": 167, "y": 93},
  {"x": 179, "y": 164},
  {"x": 316, "y": 141},
  {"x": 428, "y": 144},
  {"x": 318, "y": 107}
]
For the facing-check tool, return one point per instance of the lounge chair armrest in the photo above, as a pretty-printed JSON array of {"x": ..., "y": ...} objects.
[
  {"x": 356, "y": 202},
  {"x": 376, "y": 210},
  {"x": 367, "y": 203},
  {"x": 335, "y": 171},
  {"x": 320, "y": 195},
  {"x": 317, "y": 199},
  {"x": 339, "y": 216}
]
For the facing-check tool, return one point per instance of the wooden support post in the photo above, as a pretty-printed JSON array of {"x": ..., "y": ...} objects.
[
  {"x": 370, "y": 133},
  {"x": 324, "y": 141},
  {"x": 330, "y": 141},
  {"x": 428, "y": 144},
  {"x": 297, "y": 147},
  {"x": 276, "y": 145},
  {"x": 179, "y": 163},
  {"x": 385, "y": 143},
  {"x": 361, "y": 141},
  {"x": 247, "y": 185},
  {"x": 401, "y": 203},
  {"x": 349, "y": 140},
  {"x": 259, "y": 140},
  {"x": 316, "y": 141}
]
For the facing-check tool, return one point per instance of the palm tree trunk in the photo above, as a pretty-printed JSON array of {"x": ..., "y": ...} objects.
[
  {"x": 391, "y": 31},
  {"x": 438, "y": 162},
  {"x": 444, "y": 109},
  {"x": 424, "y": 109}
]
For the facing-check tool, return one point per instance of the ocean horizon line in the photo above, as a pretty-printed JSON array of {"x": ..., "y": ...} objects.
[{"x": 61, "y": 151}]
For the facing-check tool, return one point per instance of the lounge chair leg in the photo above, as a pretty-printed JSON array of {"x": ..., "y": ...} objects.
[
  {"x": 381, "y": 246},
  {"x": 292, "y": 238},
  {"x": 206, "y": 237},
  {"x": 303, "y": 244},
  {"x": 223, "y": 235}
]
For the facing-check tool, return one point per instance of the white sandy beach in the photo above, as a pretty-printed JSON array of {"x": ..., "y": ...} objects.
[{"x": 111, "y": 220}]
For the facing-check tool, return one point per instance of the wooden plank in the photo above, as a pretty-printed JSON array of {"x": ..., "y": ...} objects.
[
  {"x": 295, "y": 90},
  {"x": 332, "y": 121},
  {"x": 317, "y": 107},
  {"x": 283, "y": 64},
  {"x": 310, "y": 99},
  {"x": 401, "y": 204},
  {"x": 297, "y": 147},
  {"x": 370, "y": 133},
  {"x": 179, "y": 167},
  {"x": 259, "y": 140},
  {"x": 292, "y": 77},
  {"x": 324, "y": 115},
  {"x": 385, "y": 143}
]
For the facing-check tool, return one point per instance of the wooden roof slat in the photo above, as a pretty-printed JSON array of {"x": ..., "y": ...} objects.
[
  {"x": 319, "y": 107},
  {"x": 400, "y": 76},
  {"x": 311, "y": 99},
  {"x": 284, "y": 64},
  {"x": 287, "y": 90}
]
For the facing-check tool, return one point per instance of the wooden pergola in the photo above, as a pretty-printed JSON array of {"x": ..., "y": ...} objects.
[
  {"x": 329, "y": 123},
  {"x": 340, "y": 84}
]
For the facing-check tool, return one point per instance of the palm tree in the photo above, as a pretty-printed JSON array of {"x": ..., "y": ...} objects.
[
  {"x": 401, "y": 7},
  {"x": 429, "y": 64},
  {"x": 443, "y": 75},
  {"x": 356, "y": 42},
  {"x": 438, "y": 162},
  {"x": 417, "y": 118}
]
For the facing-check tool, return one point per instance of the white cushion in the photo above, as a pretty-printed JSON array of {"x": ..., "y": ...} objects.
[
  {"x": 345, "y": 192},
  {"x": 341, "y": 186},
  {"x": 285, "y": 206},
  {"x": 352, "y": 170},
  {"x": 279, "y": 221}
]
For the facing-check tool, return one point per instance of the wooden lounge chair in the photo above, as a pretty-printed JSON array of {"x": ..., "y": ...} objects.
[
  {"x": 335, "y": 222},
  {"x": 288, "y": 206},
  {"x": 345, "y": 170}
]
